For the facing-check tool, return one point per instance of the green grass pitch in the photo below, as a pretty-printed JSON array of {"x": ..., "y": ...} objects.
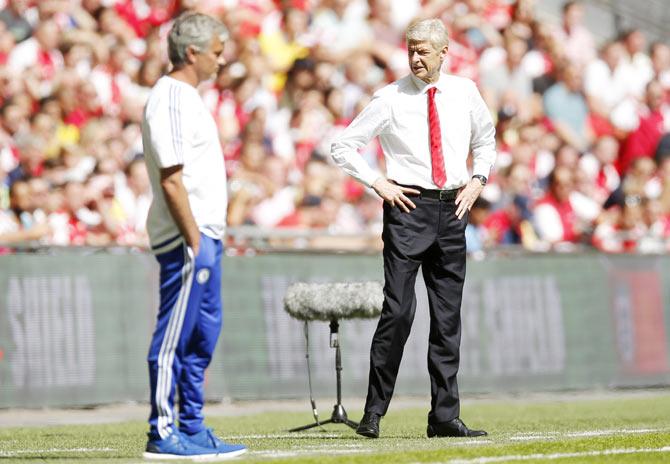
[{"x": 626, "y": 428}]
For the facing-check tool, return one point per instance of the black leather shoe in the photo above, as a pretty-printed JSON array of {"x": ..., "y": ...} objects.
[
  {"x": 369, "y": 426},
  {"x": 452, "y": 428}
]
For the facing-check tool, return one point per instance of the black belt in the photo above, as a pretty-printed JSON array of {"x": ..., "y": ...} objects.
[{"x": 442, "y": 195}]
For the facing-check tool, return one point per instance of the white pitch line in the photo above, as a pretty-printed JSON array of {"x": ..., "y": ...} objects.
[
  {"x": 554, "y": 456},
  {"x": 336, "y": 446},
  {"x": 520, "y": 437},
  {"x": 533, "y": 433},
  {"x": 584, "y": 433},
  {"x": 469, "y": 442},
  {"x": 294, "y": 453},
  {"x": 10, "y": 454},
  {"x": 533, "y": 437},
  {"x": 598, "y": 433},
  {"x": 281, "y": 435},
  {"x": 342, "y": 449}
]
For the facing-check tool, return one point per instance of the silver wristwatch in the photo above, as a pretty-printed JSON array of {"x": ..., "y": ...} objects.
[{"x": 481, "y": 178}]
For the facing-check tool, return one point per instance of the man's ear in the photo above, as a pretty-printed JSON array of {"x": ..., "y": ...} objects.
[
  {"x": 191, "y": 51},
  {"x": 443, "y": 52}
]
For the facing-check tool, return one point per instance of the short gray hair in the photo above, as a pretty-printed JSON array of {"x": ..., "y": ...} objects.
[
  {"x": 432, "y": 30},
  {"x": 193, "y": 30}
]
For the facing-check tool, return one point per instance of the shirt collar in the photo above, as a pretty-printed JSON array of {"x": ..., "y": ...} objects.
[{"x": 422, "y": 87}]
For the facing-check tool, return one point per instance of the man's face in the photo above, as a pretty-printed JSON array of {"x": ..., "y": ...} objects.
[
  {"x": 20, "y": 197},
  {"x": 654, "y": 96},
  {"x": 19, "y": 6},
  {"x": 636, "y": 42},
  {"x": 573, "y": 16},
  {"x": 208, "y": 61},
  {"x": 424, "y": 60},
  {"x": 39, "y": 191},
  {"x": 573, "y": 79},
  {"x": 13, "y": 119},
  {"x": 47, "y": 35},
  {"x": 563, "y": 184},
  {"x": 660, "y": 58}
]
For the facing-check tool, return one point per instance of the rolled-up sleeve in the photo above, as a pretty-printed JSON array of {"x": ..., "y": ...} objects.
[
  {"x": 483, "y": 138},
  {"x": 372, "y": 121}
]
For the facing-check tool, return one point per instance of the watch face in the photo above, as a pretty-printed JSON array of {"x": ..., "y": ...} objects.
[{"x": 481, "y": 178}]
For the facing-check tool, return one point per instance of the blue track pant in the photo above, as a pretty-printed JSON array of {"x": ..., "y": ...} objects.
[{"x": 187, "y": 328}]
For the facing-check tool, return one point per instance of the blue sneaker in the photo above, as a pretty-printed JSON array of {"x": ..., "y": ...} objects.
[
  {"x": 177, "y": 446},
  {"x": 206, "y": 439}
]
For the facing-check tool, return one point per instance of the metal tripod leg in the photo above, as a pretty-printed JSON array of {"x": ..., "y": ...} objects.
[
  {"x": 339, "y": 415},
  {"x": 311, "y": 426}
]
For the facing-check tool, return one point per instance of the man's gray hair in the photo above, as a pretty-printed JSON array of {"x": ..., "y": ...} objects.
[
  {"x": 432, "y": 30},
  {"x": 193, "y": 30}
]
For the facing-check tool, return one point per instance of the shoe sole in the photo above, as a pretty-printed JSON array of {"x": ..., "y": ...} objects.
[
  {"x": 431, "y": 433},
  {"x": 368, "y": 434},
  {"x": 215, "y": 457}
]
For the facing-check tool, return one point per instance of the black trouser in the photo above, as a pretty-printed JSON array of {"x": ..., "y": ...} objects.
[{"x": 430, "y": 236}]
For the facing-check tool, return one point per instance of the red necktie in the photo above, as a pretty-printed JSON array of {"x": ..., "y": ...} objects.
[{"x": 436, "y": 158}]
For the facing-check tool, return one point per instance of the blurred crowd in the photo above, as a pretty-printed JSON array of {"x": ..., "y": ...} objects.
[{"x": 582, "y": 127}]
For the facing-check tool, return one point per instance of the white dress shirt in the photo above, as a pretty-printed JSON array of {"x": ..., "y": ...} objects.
[{"x": 398, "y": 114}]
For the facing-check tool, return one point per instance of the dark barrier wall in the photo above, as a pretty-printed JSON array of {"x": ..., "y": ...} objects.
[{"x": 74, "y": 329}]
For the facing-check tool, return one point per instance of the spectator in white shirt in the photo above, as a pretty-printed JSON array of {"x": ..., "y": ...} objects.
[
  {"x": 637, "y": 61},
  {"x": 599, "y": 165},
  {"x": 39, "y": 57},
  {"x": 609, "y": 86},
  {"x": 341, "y": 28},
  {"x": 576, "y": 38},
  {"x": 135, "y": 199},
  {"x": 660, "y": 62}
]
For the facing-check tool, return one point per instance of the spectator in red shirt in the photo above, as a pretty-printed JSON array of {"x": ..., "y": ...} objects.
[
  {"x": 555, "y": 218},
  {"x": 643, "y": 141}
]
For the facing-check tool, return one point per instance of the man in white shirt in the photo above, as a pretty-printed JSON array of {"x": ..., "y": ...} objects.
[
  {"x": 186, "y": 223},
  {"x": 427, "y": 123},
  {"x": 577, "y": 40}
]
